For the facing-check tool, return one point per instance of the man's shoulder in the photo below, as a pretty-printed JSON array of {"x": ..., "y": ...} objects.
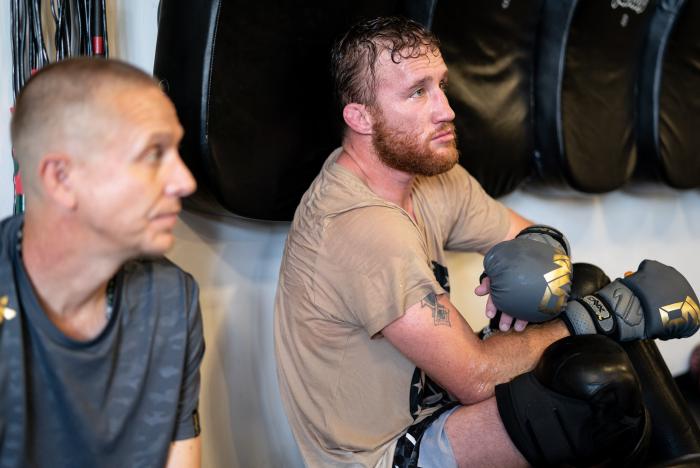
[
  {"x": 335, "y": 190},
  {"x": 373, "y": 229},
  {"x": 377, "y": 216}
]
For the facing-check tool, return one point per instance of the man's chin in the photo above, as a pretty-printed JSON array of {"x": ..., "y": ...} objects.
[
  {"x": 159, "y": 245},
  {"x": 443, "y": 161},
  {"x": 447, "y": 151}
]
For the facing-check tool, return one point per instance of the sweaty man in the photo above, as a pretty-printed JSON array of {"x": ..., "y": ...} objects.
[
  {"x": 368, "y": 344},
  {"x": 100, "y": 337}
]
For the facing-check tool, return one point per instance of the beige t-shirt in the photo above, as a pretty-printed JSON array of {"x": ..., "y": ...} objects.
[{"x": 353, "y": 263}]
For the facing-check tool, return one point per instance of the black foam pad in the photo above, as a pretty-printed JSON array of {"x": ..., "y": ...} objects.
[
  {"x": 669, "y": 103},
  {"x": 674, "y": 431},
  {"x": 252, "y": 87},
  {"x": 489, "y": 47},
  {"x": 584, "y": 89}
]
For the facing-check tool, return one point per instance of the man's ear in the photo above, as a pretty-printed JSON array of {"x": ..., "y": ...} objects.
[
  {"x": 55, "y": 171},
  {"x": 358, "y": 118}
]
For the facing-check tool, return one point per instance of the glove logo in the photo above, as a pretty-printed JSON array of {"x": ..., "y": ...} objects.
[
  {"x": 689, "y": 313},
  {"x": 5, "y": 312},
  {"x": 599, "y": 309},
  {"x": 557, "y": 282}
]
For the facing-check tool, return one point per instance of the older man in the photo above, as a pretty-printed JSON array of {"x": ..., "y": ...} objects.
[{"x": 100, "y": 337}]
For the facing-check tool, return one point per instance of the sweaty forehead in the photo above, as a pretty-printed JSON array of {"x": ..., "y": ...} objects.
[{"x": 428, "y": 64}]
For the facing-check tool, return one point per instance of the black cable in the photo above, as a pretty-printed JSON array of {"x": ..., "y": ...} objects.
[
  {"x": 56, "y": 14},
  {"x": 38, "y": 50},
  {"x": 29, "y": 24},
  {"x": 104, "y": 29},
  {"x": 22, "y": 34},
  {"x": 14, "y": 28},
  {"x": 80, "y": 29},
  {"x": 84, "y": 28},
  {"x": 68, "y": 28},
  {"x": 60, "y": 10}
]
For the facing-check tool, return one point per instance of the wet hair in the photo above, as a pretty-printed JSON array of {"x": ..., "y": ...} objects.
[
  {"x": 354, "y": 56},
  {"x": 62, "y": 99}
]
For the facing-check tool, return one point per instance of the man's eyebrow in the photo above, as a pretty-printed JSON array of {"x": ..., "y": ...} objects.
[
  {"x": 427, "y": 79},
  {"x": 165, "y": 136},
  {"x": 419, "y": 83}
]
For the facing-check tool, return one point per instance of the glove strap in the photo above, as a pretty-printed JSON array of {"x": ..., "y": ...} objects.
[
  {"x": 600, "y": 314},
  {"x": 541, "y": 229},
  {"x": 578, "y": 318},
  {"x": 622, "y": 322}
]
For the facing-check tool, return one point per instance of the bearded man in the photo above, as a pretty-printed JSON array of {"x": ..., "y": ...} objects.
[{"x": 376, "y": 366}]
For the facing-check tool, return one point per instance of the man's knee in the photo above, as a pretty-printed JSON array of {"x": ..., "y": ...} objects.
[{"x": 581, "y": 405}]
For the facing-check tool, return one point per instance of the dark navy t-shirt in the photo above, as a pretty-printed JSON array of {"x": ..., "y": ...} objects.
[{"x": 118, "y": 400}]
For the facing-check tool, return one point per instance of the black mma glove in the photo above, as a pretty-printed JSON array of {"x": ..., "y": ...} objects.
[
  {"x": 654, "y": 302},
  {"x": 587, "y": 280},
  {"x": 531, "y": 274}
]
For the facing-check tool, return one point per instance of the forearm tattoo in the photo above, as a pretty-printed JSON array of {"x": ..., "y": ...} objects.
[{"x": 441, "y": 315}]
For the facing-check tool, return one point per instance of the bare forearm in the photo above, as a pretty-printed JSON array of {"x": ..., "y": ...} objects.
[
  {"x": 185, "y": 453},
  {"x": 517, "y": 224},
  {"x": 507, "y": 355},
  {"x": 434, "y": 336}
]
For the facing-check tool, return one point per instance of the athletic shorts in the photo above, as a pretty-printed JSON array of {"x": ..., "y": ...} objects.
[{"x": 425, "y": 444}]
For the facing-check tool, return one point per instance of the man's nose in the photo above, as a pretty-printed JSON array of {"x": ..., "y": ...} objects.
[
  {"x": 181, "y": 182},
  {"x": 442, "y": 110}
]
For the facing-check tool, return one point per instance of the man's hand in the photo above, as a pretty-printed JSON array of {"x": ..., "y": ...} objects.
[
  {"x": 505, "y": 320},
  {"x": 530, "y": 280},
  {"x": 654, "y": 302},
  {"x": 529, "y": 277}
]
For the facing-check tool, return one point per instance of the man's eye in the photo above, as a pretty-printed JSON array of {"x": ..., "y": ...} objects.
[
  {"x": 153, "y": 156},
  {"x": 418, "y": 93},
  {"x": 443, "y": 85}
]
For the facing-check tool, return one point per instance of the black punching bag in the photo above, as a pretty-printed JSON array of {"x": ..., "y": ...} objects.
[
  {"x": 587, "y": 64},
  {"x": 489, "y": 47},
  {"x": 669, "y": 101},
  {"x": 252, "y": 87},
  {"x": 675, "y": 435}
]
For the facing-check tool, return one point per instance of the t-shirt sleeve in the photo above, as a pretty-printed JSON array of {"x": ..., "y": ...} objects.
[
  {"x": 479, "y": 222},
  {"x": 372, "y": 266},
  {"x": 188, "y": 415}
]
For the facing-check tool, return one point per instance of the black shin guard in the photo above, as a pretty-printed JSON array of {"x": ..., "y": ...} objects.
[{"x": 581, "y": 406}]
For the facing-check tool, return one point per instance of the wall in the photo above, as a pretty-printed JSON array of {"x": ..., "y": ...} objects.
[
  {"x": 236, "y": 263},
  {"x": 6, "y": 101}
]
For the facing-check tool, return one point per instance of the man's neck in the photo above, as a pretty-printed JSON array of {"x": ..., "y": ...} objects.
[
  {"x": 70, "y": 282},
  {"x": 390, "y": 184}
]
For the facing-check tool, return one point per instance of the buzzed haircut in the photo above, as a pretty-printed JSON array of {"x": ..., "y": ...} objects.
[
  {"x": 51, "y": 99},
  {"x": 354, "y": 56}
]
